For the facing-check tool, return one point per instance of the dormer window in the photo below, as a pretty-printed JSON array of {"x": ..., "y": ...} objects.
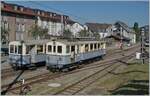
[
  {"x": 21, "y": 9},
  {"x": 43, "y": 13},
  {"x": 39, "y": 12},
  {"x": 50, "y": 14},
  {"x": 15, "y": 8},
  {"x": 54, "y": 14}
]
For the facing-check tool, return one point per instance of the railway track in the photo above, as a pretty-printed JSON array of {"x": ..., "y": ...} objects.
[
  {"x": 85, "y": 82},
  {"x": 47, "y": 76},
  {"x": 10, "y": 72}
]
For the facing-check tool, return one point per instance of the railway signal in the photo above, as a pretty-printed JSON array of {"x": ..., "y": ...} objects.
[{"x": 142, "y": 46}]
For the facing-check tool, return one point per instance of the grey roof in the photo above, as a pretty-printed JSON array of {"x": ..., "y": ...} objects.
[
  {"x": 96, "y": 27},
  {"x": 124, "y": 26},
  {"x": 72, "y": 42}
]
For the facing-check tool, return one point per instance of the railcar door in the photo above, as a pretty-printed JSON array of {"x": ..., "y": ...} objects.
[
  {"x": 72, "y": 53},
  {"x": 31, "y": 50}
]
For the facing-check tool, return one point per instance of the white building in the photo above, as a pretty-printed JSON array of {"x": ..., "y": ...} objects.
[
  {"x": 123, "y": 30},
  {"x": 103, "y": 29}
]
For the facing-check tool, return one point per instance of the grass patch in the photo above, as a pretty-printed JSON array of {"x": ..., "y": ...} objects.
[{"x": 133, "y": 80}]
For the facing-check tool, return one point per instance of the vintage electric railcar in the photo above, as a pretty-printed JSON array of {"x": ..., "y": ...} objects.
[
  {"x": 28, "y": 53},
  {"x": 65, "y": 54}
]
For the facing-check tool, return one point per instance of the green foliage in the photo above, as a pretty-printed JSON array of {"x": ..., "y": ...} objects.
[
  {"x": 96, "y": 35},
  {"x": 37, "y": 31},
  {"x": 4, "y": 35},
  {"x": 137, "y": 31},
  {"x": 67, "y": 33},
  {"x": 83, "y": 33}
]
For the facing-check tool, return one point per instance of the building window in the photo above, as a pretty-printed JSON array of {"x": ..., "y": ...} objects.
[
  {"x": 23, "y": 27},
  {"x": 2, "y": 5},
  {"x": 18, "y": 27},
  {"x": 5, "y": 25},
  {"x": 67, "y": 49},
  {"x": 49, "y": 48},
  {"x": 59, "y": 49}
]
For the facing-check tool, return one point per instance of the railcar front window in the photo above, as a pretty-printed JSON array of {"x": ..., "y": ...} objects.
[
  {"x": 11, "y": 48},
  {"x": 49, "y": 48},
  {"x": 19, "y": 49},
  {"x": 15, "y": 49},
  {"x": 59, "y": 49},
  {"x": 67, "y": 49}
]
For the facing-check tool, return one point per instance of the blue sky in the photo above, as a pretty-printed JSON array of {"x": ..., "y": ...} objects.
[{"x": 96, "y": 11}]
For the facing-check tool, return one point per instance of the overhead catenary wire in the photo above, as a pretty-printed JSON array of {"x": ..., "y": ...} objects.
[{"x": 60, "y": 11}]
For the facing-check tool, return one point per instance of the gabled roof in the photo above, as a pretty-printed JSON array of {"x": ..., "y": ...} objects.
[
  {"x": 96, "y": 27},
  {"x": 124, "y": 26}
]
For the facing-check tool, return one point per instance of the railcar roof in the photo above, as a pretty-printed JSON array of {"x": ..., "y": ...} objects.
[
  {"x": 31, "y": 42},
  {"x": 71, "y": 42}
]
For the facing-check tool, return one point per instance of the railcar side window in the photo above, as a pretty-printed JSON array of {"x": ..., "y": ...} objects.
[
  {"x": 77, "y": 48},
  {"x": 91, "y": 46},
  {"x": 29, "y": 49},
  {"x": 72, "y": 48},
  {"x": 11, "y": 48},
  {"x": 19, "y": 49},
  {"x": 54, "y": 48},
  {"x": 95, "y": 46},
  {"x": 86, "y": 48},
  {"x": 59, "y": 49},
  {"x": 67, "y": 49},
  {"x": 39, "y": 49},
  {"x": 49, "y": 48},
  {"x": 98, "y": 46}
]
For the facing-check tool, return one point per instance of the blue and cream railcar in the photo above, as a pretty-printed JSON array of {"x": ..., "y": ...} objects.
[
  {"x": 63, "y": 54},
  {"x": 27, "y": 53}
]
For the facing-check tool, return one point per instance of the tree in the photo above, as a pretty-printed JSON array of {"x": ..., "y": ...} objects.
[
  {"x": 137, "y": 31},
  {"x": 67, "y": 33},
  {"x": 4, "y": 35},
  {"x": 84, "y": 33},
  {"x": 96, "y": 35},
  {"x": 38, "y": 32}
]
